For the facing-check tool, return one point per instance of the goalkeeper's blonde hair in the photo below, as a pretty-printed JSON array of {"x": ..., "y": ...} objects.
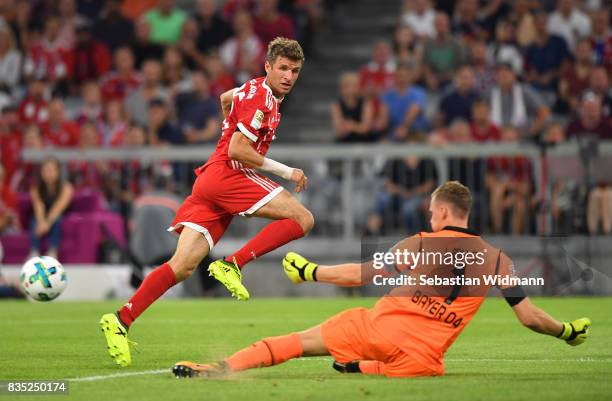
[{"x": 457, "y": 195}]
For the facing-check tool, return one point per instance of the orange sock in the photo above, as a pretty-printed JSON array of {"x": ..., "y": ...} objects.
[
  {"x": 371, "y": 367},
  {"x": 267, "y": 352}
]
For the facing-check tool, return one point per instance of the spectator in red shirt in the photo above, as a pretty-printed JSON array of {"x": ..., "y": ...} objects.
[
  {"x": 379, "y": 74},
  {"x": 114, "y": 125},
  {"x": 590, "y": 121},
  {"x": 243, "y": 53},
  {"x": 89, "y": 59},
  {"x": 220, "y": 80},
  {"x": 509, "y": 181},
  {"x": 124, "y": 79},
  {"x": 600, "y": 85},
  {"x": 10, "y": 142},
  {"x": 59, "y": 131},
  {"x": 25, "y": 177},
  {"x": 84, "y": 173},
  {"x": 269, "y": 23},
  {"x": 128, "y": 179},
  {"x": 231, "y": 7},
  {"x": 376, "y": 77},
  {"x": 47, "y": 57},
  {"x": 8, "y": 204},
  {"x": 33, "y": 107},
  {"x": 576, "y": 76},
  {"x": 92, "y": 108},
  {"x": 483, "y": 129}
]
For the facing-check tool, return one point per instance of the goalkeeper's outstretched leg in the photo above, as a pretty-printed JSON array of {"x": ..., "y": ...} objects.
[{"x": 267, "y": 352}]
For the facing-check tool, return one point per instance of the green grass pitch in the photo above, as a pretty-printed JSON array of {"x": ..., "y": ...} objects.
[{"x": 493, "y": 359}]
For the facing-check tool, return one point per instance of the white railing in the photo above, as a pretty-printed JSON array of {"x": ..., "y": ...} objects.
[{"x": 347, "y": 155}]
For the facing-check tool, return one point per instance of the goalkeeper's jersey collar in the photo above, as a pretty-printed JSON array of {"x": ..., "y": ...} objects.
[{"x": 461, "y": 230}]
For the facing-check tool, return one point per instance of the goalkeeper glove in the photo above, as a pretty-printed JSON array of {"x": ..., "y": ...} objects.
[
  {"x": 576, "y": 332},
  {"x": 299, "y": 269}
]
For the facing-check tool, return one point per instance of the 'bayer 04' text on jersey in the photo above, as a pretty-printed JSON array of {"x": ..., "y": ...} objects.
[{"x": 255, "y": 114}]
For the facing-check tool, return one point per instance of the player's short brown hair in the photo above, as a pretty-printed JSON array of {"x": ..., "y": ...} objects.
[
  {"x": 284, "y": 47},
  {"x": 457, "y": 195}
]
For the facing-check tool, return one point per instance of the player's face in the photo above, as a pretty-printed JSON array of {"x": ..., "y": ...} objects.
[{"x": 282, "y": 75}]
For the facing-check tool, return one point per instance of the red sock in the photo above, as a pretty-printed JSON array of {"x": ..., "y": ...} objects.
[
  {"x": 267, "y": 352},
  {"x": 272, "y": 236},
  {"x": 153, "y": 287}
]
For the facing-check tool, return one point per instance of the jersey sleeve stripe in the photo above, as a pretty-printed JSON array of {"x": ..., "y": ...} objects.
[{"x": 247, "y": 133}]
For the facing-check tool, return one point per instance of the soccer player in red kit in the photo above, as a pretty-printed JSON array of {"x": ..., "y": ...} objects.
[{"x": 226, "y": 186}]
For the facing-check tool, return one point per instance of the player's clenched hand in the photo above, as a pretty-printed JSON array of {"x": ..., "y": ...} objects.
[
  {"x": 300, "y": 180},
  {"x": 576, "y": 332}
]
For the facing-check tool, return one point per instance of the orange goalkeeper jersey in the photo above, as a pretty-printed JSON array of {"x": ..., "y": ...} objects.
[{"x": 423, "y": 321}]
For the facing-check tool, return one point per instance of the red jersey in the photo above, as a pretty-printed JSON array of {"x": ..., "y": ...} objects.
[
  {"x": 376, "y": 76},
  {"x": 33, "y": 111},
  {"x": 10, "y": 153},
  {"x": 255, "y": 114},
  {"x": 115, "y": 87},
  {"x": 48, "y": 60},
  {"x": 489, "y": 134},
  {"x": 517, "y": 168},
  {"x": 65, "y": 134},
  {"x": 268, "y": 30},
  {"x": 8, "y": 202}
]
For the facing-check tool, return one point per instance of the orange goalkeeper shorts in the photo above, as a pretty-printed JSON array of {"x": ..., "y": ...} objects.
[{"x": 350, "y": 336}]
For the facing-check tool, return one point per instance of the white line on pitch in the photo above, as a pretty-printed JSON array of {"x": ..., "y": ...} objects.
[{"x": 116, "y": 375}]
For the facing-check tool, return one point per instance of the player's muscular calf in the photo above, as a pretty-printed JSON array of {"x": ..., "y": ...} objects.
[{"x": 286, "y": 206}]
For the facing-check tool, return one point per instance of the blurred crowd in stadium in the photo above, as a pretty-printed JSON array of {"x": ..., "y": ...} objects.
[
  {"x": 113, "y": 73},
  {"x": 472, "y": 72}
]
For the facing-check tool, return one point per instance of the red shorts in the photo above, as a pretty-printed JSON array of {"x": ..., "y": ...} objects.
[
  {"x": 350, "y": 336},
  {"x": 221, "y": 191}
]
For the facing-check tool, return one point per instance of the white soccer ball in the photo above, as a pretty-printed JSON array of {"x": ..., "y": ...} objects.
[{"x": 43, "y": 278}]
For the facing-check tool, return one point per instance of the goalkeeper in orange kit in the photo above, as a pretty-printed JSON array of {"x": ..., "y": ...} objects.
[{"x": 408, "y": 331}]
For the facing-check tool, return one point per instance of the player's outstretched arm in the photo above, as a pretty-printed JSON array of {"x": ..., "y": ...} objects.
[
  {"x": 240, "y": 149},
  {"x": 534, "y": 318},
  {"x": 299, "y": 269}
]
